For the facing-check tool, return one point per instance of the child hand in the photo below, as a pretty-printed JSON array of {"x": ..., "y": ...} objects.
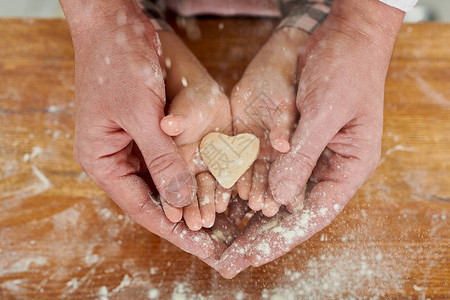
[
  {"x": 263, "y": 103},
  {"x": 197, "y": 107}
]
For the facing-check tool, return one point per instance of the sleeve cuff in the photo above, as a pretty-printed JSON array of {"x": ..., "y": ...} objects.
[{"x": 405, "y": 5}]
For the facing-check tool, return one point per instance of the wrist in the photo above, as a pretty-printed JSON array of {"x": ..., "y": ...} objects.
[
  {"x": 373, "y": 19},
  {"x": 87, "y": 18}
]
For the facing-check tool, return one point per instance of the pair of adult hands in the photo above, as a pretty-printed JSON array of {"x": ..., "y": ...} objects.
[{"x": 119, "y": 143}]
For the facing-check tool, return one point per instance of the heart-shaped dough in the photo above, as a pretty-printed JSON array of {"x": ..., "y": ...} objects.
[{"x": 228, "y": 157}]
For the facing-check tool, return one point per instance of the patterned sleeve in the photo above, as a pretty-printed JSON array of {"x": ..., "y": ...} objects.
[
  {"x": 155, "y": 10},
  {"x": 306, "y": 15}
]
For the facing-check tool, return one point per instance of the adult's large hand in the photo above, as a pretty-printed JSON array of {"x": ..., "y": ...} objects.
[
  {"x": 120, "y": 101},
  {"x": 336, "y": 145}
]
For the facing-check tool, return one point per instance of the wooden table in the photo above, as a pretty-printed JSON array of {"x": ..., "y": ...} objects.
[{"x": 60, "y": 236}]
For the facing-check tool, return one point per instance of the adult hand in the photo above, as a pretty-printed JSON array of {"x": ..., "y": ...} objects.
[
  {"x": 337, "y": 142},
  {"x": 120, "y": 100}
]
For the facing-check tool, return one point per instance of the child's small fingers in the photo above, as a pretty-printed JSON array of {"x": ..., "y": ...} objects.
[
  {"x": 222, "y": 199},
  {"x": 283, "y": 126},
  {"x": 174, "y": 214},
  {"x": 244, "y": 184},
  {"x": 237, "y": 209},
  {"x": 173, "y": 125},
  {"x": 192, "y": 216},
  {"x": 259, "y": 185},
  {"x": 271, "y": 207},
  {"x": 206, "y": 190}
]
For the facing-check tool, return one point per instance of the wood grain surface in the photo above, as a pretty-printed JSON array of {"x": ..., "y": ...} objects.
[{"x": 62, "y": 237}]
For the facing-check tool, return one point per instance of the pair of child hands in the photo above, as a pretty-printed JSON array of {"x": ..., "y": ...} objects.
[{"x": 261, "y": 103}]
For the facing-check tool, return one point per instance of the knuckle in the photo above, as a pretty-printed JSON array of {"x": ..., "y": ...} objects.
[
  {"x": 304, "y": 162},
  {"x": 140, "y": 209},
  {"x": 176, "y": 228},
  {"x": 95, "y": 170},
  {"x": 99, "y": 177},
  {"x": 163, "y": 162}
]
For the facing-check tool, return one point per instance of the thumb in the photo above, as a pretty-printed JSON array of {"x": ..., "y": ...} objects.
[
  {"x": 289, "y": 174},
  {"x": 279, "y": 139},
  {"x": 168, "y": 169},
  {"x": 283, "y": 126},
  {"x": 173, "y": 125},
  {"x": 283, "y": 123}
]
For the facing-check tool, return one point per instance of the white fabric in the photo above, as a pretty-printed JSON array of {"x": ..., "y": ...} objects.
[{"x": 405, "y": 5}]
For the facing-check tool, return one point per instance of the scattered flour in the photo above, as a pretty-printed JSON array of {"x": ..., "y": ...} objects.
[
  {"x": 73, "y": 284},
  {"x": 37, "y": 184},
  {"x": 181, "y": 291},
  {"x": 22, "y": 265},
  {"x": 35, "y": 152},
  {"x": 14, "y": 286},
  {"x": 126, "y": 281},
  {"x": 66, "y": 219},
  {"x": 352, "y": 272},
  {"x": 91, "y": 259},
  {"x": 102, "y": 293},
  {"x": 205, "y": 200},
  {"x": 395, "y": 149},
  {"x": 153, "y": 294}
]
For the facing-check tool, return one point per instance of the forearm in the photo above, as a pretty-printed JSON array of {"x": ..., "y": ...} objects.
[{"x": 372, "y": 18}]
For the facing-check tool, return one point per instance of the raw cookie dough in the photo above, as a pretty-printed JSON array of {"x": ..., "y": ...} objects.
[{"x": 227, "y": 158}]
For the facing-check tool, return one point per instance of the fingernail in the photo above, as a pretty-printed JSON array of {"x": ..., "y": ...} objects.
[
  {"x": 173, "y": 125},
  {"x": 180, "y": 190},
  {"x": 285, "y": 192},
  {"x": 195, "y": 226},
  {"x": 282, "y": 145},
  {"x": 207, "y": 223}
]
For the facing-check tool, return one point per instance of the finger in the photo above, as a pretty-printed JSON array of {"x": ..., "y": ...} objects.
[
  {"x": 173, "y": 125},
  {"x": 222, "y": 234},
  {"x": 283, "y": 126},
  {"x": 325, "y": 201},
  {"x": 192, "y": 216},
  {"x": 237, "y": 209},
  {"x": 279, "y": 139},
  {"x": 244, "y": 184},
  {"x": 141, "y": 206},
  {"x": 289, "y": 173},
  {"x": 206, "y": 190},
  {"x": 219, "y": 248},
  {"x": 293, "y": 229},
  {"x": 259, "y": 185},
  {"x": 167, "y": 168},
  {"x": 234, "y": 259},
  {"x": 174, "y": 214},
  {"x": 222, "y": 198},
  {"x": 298, "y": 203},
  {"x": 271, "y": 207}
]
